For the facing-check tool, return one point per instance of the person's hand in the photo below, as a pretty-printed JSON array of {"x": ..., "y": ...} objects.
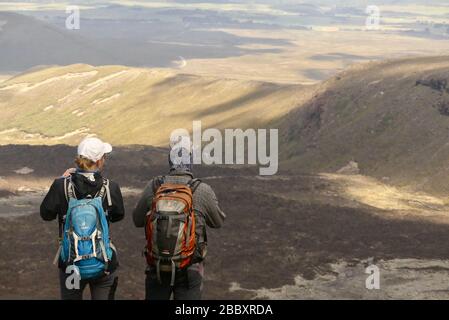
[{"x": 69, "y": 172}]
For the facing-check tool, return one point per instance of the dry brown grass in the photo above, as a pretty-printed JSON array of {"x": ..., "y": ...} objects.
[
  {"x": 133, "y": 106},
  {"x": 379, "y": 195}
]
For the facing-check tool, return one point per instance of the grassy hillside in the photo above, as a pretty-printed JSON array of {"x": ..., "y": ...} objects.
[
  {"x": 132, "y": 106},
  {"x": 391, "y": 117}
]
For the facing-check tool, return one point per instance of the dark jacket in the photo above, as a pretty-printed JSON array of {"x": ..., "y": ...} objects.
[
  {"x": 205, "y": 204},
  {"x": 55, "y": 204}
]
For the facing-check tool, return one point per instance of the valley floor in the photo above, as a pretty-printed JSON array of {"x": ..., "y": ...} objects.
[{"x": 305, "y": 236}]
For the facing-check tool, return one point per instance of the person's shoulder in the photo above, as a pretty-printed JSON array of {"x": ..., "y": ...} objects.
[
  {"x": 59, "y": 182},
  {"x": 204, "y": 187},
  {"x": 57, "y": 186}
]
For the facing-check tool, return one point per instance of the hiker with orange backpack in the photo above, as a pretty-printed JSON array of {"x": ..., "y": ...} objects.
[
  {"x": 84, "y": 203},
  {"x": 175, "y": 210}
]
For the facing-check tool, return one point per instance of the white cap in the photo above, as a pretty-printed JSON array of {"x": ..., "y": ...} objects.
[{"x": 93, "y": 149}]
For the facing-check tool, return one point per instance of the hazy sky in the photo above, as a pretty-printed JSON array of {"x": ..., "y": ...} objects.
[{"x": 274, "y": 2}]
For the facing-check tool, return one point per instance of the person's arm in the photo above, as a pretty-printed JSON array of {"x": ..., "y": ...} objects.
[
  {"x": 117, "y": 211},
  {"x": 51, "y": 205},
  {"x": 215, "y": 217},
  {"x": 143, "y": 206}
]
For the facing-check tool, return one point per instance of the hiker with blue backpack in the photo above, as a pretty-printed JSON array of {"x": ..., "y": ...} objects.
[
  {"x": 175, "y": 210},
  {"x": 85, "y": 203}
]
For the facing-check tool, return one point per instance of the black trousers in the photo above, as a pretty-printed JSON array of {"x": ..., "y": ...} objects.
[
  {"x": 188, "y": 284},
  {"x": 102, "y": 288}
]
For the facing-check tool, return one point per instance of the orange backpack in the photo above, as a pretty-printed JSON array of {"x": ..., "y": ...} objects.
[{"x": 170, "y": 227}]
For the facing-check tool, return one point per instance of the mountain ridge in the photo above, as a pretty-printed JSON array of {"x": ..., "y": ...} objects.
[{"x": 389, "y": 117}]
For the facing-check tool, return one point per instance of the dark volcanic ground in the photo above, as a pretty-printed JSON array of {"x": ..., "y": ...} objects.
[{"x": 277, "y": 228}]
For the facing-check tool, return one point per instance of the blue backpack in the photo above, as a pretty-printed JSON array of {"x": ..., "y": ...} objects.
[{"x": 85, "y": 238}]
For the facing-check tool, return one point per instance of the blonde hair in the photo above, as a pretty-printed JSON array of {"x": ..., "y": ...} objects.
[{"x": 85, "y": 164}]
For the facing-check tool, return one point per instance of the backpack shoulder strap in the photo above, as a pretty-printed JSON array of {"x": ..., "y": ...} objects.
[
  {"x": 69, "y": 189},
  {"x": 105, "y": 192},
  {"x": 69, "y": 193},
  {"x": 157, "y": 182},
  {"x": 66, "y": 191},
  {"x": 194, "y": 184}
]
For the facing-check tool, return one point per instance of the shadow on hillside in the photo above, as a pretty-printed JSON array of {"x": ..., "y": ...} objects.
[{"x": 267, "y": 239}]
